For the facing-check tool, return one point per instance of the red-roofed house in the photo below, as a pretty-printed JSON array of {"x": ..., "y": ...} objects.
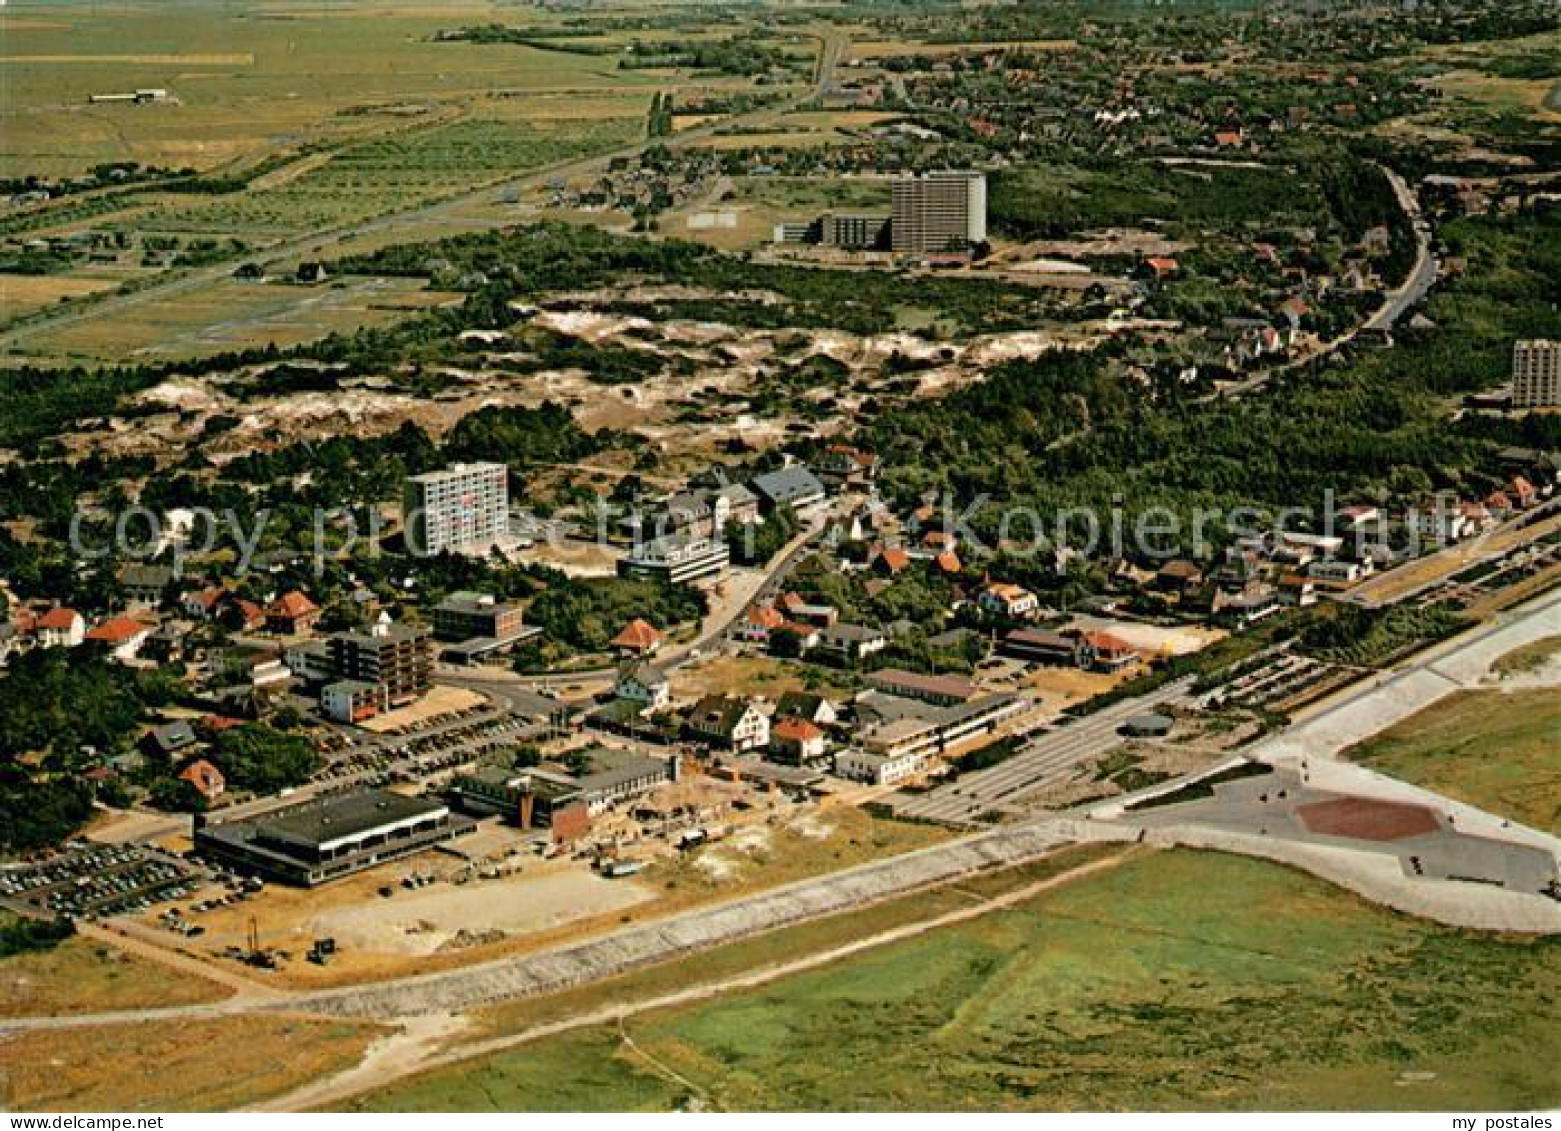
[
  {"x": 236, "y": 612},
  {"x": 1162, "y": 265},
  {"x": 1109, "y": 653},
  {"x": 292, "y": 614},
  {"x": 1228, "y": 139},
  {"x": 1005, "y": 600},
  {"x": 206, "y": 778},
  {"x": 59, "y": 628},
  {"x": 948, "y": 561},
  {"x": 1522, "y": 491},
  {"x": 796, "y": 741},
  {"x": 638, "y": 639},
  {"x": 892, "y": 560},
  {"x": 760, "y": 622},
  {"x": 122, "y": 637}
]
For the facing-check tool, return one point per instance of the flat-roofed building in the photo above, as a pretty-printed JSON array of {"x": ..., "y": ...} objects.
[
  {"x": 937, "y": 212},
  {"x": 1536, "y": 374},
  {"x": 352, "y": 700},
  {"x": 677, "y": 558},
  {"x": 530, "y": 795},
  {"x": 878, "y": 768},
  {"x": 329, "y": 837},
  {"x": 399, "y": 657},
  {"x": 461, "y": 509},
  {"x": 462, "y": 616},
  {"x": 854, "y": 230},
  {"x": 935, "y": 730}
]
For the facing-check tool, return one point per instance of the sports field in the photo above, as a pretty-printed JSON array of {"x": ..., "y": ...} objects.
[{"x": 1178, "y": 980}]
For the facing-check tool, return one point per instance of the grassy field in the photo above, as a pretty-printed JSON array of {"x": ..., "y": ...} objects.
[
  {"x": 235, "y": 315},
  {"x": 82, "y": 975},
  {"x": 173, "y": 1065},
  {"x": 1178, "y": 980},
  {"x": 249, "y": 75},
  {"x": 1530, "y": 657},
  {"x": 397, "y": 172},
  {"x": 1494, "y": 749}
]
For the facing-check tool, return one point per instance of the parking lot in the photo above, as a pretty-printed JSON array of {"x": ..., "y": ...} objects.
[{"x": 92, "y": 881}]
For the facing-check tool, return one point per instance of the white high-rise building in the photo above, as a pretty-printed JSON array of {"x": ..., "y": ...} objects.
[
  {"x": 463, "y": 509},
  {"x": 938, "y": 212},
  {"x": 1536, "y": 374}
]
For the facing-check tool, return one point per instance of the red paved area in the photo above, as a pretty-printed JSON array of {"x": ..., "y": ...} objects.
[{"x": 1366, "y": 819}]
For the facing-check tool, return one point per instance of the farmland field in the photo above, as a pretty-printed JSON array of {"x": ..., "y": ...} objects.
[{"x": 1179, "y": 980}]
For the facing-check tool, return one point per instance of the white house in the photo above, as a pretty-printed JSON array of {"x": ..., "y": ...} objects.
[
  {"x": 1003, "y": 599},
  {"x": 122, "y": 637},
  {"x": 59, "y": 628},
  {"x": 643, "y": 684},
  {"x": 879, "y": 769}
]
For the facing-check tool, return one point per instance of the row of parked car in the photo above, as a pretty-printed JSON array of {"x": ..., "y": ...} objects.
[{"x": 97, "y": 880}]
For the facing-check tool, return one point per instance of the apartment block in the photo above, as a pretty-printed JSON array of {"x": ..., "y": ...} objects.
[
  {"x": 1536, "y": 374},
  {"x": 938, "y": 212},
  {"x": 461, "y": 509},
  {"x": 397, "y": 657}
]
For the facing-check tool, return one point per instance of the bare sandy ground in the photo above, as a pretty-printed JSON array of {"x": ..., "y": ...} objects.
[{"x": 424, "y": 922}]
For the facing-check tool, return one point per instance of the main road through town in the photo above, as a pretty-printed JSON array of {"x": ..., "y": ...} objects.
[{"x": 1047, "y": 757}]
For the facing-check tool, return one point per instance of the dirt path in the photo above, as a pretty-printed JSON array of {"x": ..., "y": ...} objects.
[
  {"x": 378, "y": 1071},
  {"x": 128, "y": 939}
]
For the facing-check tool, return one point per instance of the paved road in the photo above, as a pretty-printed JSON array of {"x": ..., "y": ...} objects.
[
  {"x": 1421, "y": 278},
  {"x": 1046, "y": 758},
  {"x": 1424, "y": 272}
]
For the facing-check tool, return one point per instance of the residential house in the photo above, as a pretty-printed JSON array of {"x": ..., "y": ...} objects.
[
  {"x": 853, "y": 642},
  {"x": 796, "y": 741},
  {"x": 814, "y": 708},
  {"x": 1179, "y": 576},
  {"x": 759, "y": 622},
  {"x": 1110, "y": 653},
  {"x": 122, "y": 637},
  {"x": 795, "y": 638},
  {"x": 59, "y": 628},
  {"x": 637, "y": 639},
  {"x": 1012, "y": 601},
  {"x": 292, "y": 614},
  {"x": 891, "y": 560},
  {"x": 844, "y": 466},
  {"x": 144, "y": 585},
  {"x": 171, "y": 741},
  {"x": 206, "y": 778},
  {"x": 203, "y": 604},
  {"x": 644, "y": 685},
  {"x": 727, "y": 721}
]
